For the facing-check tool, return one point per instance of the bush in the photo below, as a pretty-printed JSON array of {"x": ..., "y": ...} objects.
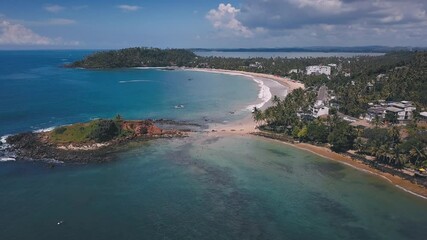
[
  {"x": 60, "y": 130},
  {"x": 104, "y": 130}
]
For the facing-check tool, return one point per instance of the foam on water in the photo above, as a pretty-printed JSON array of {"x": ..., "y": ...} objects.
[
  {"x": 44, "y": 130},
  {"x": 6, "y": 159},
  {"x": 134, "y": 81},
  {"x": 3, "y": 139},
  {"x": 264, "y": 94}
]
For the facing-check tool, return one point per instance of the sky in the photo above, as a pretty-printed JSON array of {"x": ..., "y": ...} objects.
[{"x": 112, "y": 24}]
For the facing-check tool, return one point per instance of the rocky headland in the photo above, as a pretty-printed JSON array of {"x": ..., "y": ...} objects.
[{"x": 90, "y": 142}]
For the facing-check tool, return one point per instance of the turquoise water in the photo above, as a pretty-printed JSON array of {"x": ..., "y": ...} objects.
[
  {"x": 37, "y": 92},
  {"x": 201, "y": 187},
  {"x": 205, "y": 188}
]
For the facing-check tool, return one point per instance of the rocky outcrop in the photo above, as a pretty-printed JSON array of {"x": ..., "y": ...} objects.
[{"x": 40, "y": 146}]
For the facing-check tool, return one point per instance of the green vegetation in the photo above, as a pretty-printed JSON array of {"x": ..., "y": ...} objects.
[
  {"x": 282, "y": 117},
  {"x": 395, "y": 76},
  {"x": 385, "y": 144},
  {"x": 355, "y": 82},
  {"x": 101, "y": 130},
  {"x": 136, "y": 57}
]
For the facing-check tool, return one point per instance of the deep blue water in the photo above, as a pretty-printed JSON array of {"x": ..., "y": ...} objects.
[
  {"x": 36, "y": 91},
  {"x": 201, "y": 187}
]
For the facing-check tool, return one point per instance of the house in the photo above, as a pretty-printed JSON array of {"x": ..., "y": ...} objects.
[
  {"x": 321, "y": 107},
  {"x": 318, "y": 70},
  {"x": 294, "y": 71},
  {"x": 376, "y": 111},
  {"x": 332, "y": 65},
  {"x": 403, "y": 110},
  {"x": 255, "y": 65},
  {"x": 380, "y": 76},
  {"x": 406, "y": 110},
  {"x": 347, "y": 74}
]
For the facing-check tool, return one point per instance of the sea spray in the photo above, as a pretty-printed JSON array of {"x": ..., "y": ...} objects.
[
  {"x": 5, "y": 155},
  {"x": 264, "y": 94}
]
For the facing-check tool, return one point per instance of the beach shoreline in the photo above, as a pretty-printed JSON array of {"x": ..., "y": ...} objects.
[{"x": 247, "y": 126}]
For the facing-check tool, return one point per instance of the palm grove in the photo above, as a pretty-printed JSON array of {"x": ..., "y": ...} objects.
[{"x": 403, "y": 77}]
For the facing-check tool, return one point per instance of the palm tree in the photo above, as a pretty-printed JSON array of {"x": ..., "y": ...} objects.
[
  {"x": 418, "y": 154},
  {"x": 394, "y": 133},
  {"x": 276, "y": 100},
  {"x": 377, "y": 121},
  {"x": 257, "y": 114}
]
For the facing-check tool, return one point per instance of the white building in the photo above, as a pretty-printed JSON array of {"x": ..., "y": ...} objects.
[
  {"x": 403, "y": 110},
  {"x": 255, "y": 65},
  {"x": 321, "y": 105},
  {"x": 318, "y": 70},
  {"x": 293, "y": 71}
]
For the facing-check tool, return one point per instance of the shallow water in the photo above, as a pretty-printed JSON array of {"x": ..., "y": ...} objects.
[
  {"x": 200, "y": 187},
  {"x": 205, "y": 188}
]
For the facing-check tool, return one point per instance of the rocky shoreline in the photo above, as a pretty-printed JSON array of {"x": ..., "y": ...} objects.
[{"x": 41, "y": 146}]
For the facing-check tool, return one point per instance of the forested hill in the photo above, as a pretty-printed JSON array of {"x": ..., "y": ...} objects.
[{"x": 136, "y": 57}]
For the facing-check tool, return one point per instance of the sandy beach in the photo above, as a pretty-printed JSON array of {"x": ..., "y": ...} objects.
[
  {"x": 287, "y": 82},
  {"x": 247, "y": 126}
]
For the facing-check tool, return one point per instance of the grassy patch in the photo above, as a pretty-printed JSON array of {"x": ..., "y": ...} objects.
[{"x": 98, "y": 130}]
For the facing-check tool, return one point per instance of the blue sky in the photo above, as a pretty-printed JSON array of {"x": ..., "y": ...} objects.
[{"x": 101, "y": 24}]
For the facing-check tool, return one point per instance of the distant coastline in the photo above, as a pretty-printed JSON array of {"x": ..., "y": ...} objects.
[{"x": 290, "y": 55}]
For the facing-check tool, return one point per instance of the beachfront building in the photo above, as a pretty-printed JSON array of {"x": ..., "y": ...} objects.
[
  {"x": 294, "y": 71},
  {"x": 318, "y": 70},
  {"x": 255, "y": 65},
  {"x": 321, "y": 107},
  {"x": 403, "y": 110},
  {"x": 375, "y": 112}
]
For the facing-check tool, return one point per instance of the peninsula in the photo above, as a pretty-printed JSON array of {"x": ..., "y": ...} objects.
[{"x": 88, "y": 142}]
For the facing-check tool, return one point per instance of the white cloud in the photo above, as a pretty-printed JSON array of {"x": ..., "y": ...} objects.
[
  {"x": 225, "y": 19},
  {"x": 17, "y": 34},
  {"x": 128, "y": 8},
  {"x": 12, "y": 33},
  {"x": 335, "y": 22},
  {"x": 335, "y": 6},
  {"x": 54, "y": 8}
]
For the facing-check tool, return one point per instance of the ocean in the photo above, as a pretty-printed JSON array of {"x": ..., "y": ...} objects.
[{"x": 200, "y": 187}]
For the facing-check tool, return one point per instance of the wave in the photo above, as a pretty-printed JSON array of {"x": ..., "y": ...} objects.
[
  {"x": 6, "y": 159},
  {"x": 409, "y": 191},
  {"x": 44, "y": 129},
  {"x": 133, "y": 81},
  {"x": 3, "y": 139},
  {"x": 264, "y": 94}
]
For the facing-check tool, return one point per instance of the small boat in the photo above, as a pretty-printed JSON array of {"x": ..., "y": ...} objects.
[
  {"x": 60, "y": 222},
  {"x": 179, "y": 106}
]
